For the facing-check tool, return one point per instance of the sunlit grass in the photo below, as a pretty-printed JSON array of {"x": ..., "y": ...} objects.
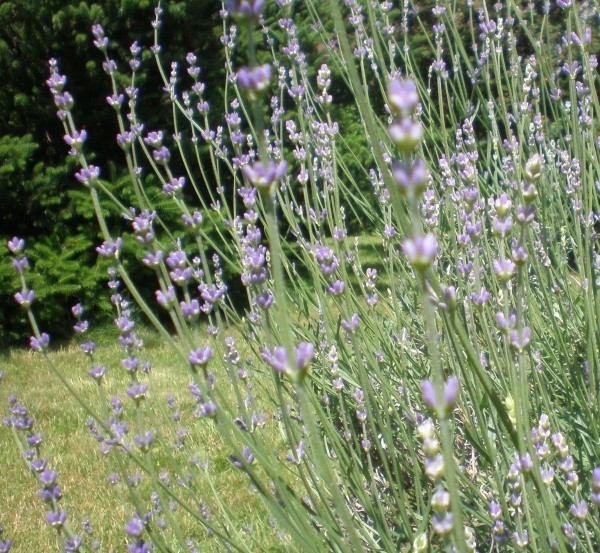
[{"x": 83, "y": 471}]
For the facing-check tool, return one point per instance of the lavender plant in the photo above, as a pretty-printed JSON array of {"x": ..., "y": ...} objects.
[{"x": 441, "y": 394}]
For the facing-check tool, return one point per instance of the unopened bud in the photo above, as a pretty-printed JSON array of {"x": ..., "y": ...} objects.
[{"x": 533, "y": 168}]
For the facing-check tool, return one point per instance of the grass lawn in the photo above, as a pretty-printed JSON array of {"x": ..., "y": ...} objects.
[{"x": 83, "y": 471}]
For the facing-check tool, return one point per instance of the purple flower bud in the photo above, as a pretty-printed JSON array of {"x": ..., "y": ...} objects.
[
  {"x": 39, "y": 465},
  {"x": 194, "y": 220},
  {"x": 81, "y": 327},
  {"x": 135, "y": 527},
  {"x": 254, "y": 81},
  {"x": 420, "y": 251},
  {"x": 174, "y": 186},
  {"x": 200, "y": 357},
  {"x": 406, "y": 134},
  {"x": 519, "y": 255},
  {"x": 140, "y": 546},
  {"x": 115, "y": 100},
  {"x": 97, "y": 373},
  {"x": 110, "y": 67},
  {"x": 144, "y": 442},
  {"x": 72, "y": 545},
  {"x": 442, "y": 524},
  {"x": 88, "y": 174},
  {"x": 153, "y": 259},
  {"x": 264, "y": 177},
  {"x": 137, "y": 392},
  {"x": 579, "y": 510},
  {"x": 34, "y": 440},
  {"x": 162, "y": 155},
  {"x": 39, "y": 344},
  {"x": 76, "y": 139},
  {"x": 20, "y": 264},
  {"x": 336, "y": 287},
  {"x": 504, "y": 269},
  {"x": 88, "y": 347},
  {"x": 167, "y": 298},
  {"x": 441, "y": 402},
  {"x": 525, "y": 214},
  {"x": 56, "y": 519},
  {"x": 16, "y": 245},
  {"x": 110, "y": 248},
  {"x": 265, "y": 300},
  {"x": 411, "y": 179},
  {"x": 25, "y": 298},
  {"x": 403, "y": 97},
  {"x": 48, "y": 478},
  {"x": 245, "y": 10},
  {"x": 495, "y": 510},
  {"x": 77, "y": 310},
  {"x": 304, "y": 354},
  {"x": 520, "y": 339},
  {"x": 351, "y": 325}
]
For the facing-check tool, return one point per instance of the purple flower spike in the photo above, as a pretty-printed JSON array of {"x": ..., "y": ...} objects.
[
  {"x": 5, "y": 546},
  {"x": 100, "y": 41},
  {"x": 16, "y": 245}
]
